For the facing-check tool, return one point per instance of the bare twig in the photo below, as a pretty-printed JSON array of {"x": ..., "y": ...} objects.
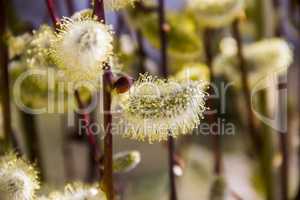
[
  {"x": 52, "y": 11},
  {"x": 108, "y": 139},
  {"x": 212, "y": 118},
  {"x": 98, "y": 10},
  {"x": 6, "y": 110},
  {"x": 253, "y": 129},
  {"x": 260, "y": 146},
  {"x": 164, "y": 72},
  {"x": 108, "y": 183},
  {"x": 141, "y": 52}
]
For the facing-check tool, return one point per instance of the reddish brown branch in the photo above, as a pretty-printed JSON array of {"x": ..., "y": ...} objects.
[
  {"x": 108, "y": 139},
  {"x": 6, "y": 110},
  {"x": 212, "y": 118},
  {"x": 52, "y": 11},
  {"x": 99, "y": 10},
  {"x": 107, "y": 78},
  {"x": 164, "y": 72},
  {"x": 284, "y": 172},
  {"x": 283, "y": 141},
  {"x": 141, "y": 52},
  {"x": 163, "y": 38},
  {"x": 253, "y": 128}
]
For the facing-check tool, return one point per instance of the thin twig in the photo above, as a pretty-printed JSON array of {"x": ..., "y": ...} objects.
[
  {"x": 98, "y": 10},
  {"x": 259, "y": 145},
  {"x": 141, "y": 51},
  {"x": 163, "y": 38},
  {"x": 298, "y": 66},
  {"x": 284, "y": 172},
  {"x": 212, "y": 118},
  {"x": 164, "y": 72},
  {"x": 108, "y": 139},
  {"x": 283, "y": 135},
  {"x": 108, "y": 182},
  {"x": 52, "y": 11},
  {"x": 253, "y": 129},
  {"x": 6, "y": 110}
]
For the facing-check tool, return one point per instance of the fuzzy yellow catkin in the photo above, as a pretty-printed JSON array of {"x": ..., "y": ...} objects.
[
  {"x": 17, "y": 44},
  {"x": 18, "y": 179},
  {"x": 126, "y": 161},
  {"x": 81, "y": 48},
  {"x": 156, "y": 108},
  {"x": 37, "y": 52},
  {"x": 216, "y": 13},
  {"x": 263, "y": 58},
  {"x": 193, "y": 71},
  {"x": 118, "y": 4},
  {"x": 77, "y": 191}
]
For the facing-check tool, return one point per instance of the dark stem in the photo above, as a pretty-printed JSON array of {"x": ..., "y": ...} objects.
[
  {"x": 107, "y": 78},
  {"x": 283, "y": 140},
  {"x": 108, "y": 139},
  {"x": 260, "y": 146},
  {"x": 253, "y": 129},
  {"x": 283, "y": 136},
  {"x": 6, "y": 110},
  {"x": 298, "y": 66},
  {"x": 212, "y": 118},
  {"x": 164, "y": 72},
  {"x": 52, "y": 11},
  {"x": 171, "y": 151},
  {"x": 99, "y": 10},
  {"x": 284, "y": 172},
  {"x": 70, "y": 6},
  {"x": 163, "y": 38},
  {"x": 141, "y": 51}
]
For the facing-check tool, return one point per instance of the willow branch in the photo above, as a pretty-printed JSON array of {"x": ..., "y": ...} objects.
[
  {"x": 141, "y": 51},
  {"x": 6, "y": 110},
  {"x": 253, "y": 129},
  {"x": 164, "y": 72},
  {"x": 52, "y": 11},
  {"x": 98, "y": 10},
  {"x": 212, "y": 118},
  {"x": 108, "y": 139},
  {"x": 107, "y": 78}
]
